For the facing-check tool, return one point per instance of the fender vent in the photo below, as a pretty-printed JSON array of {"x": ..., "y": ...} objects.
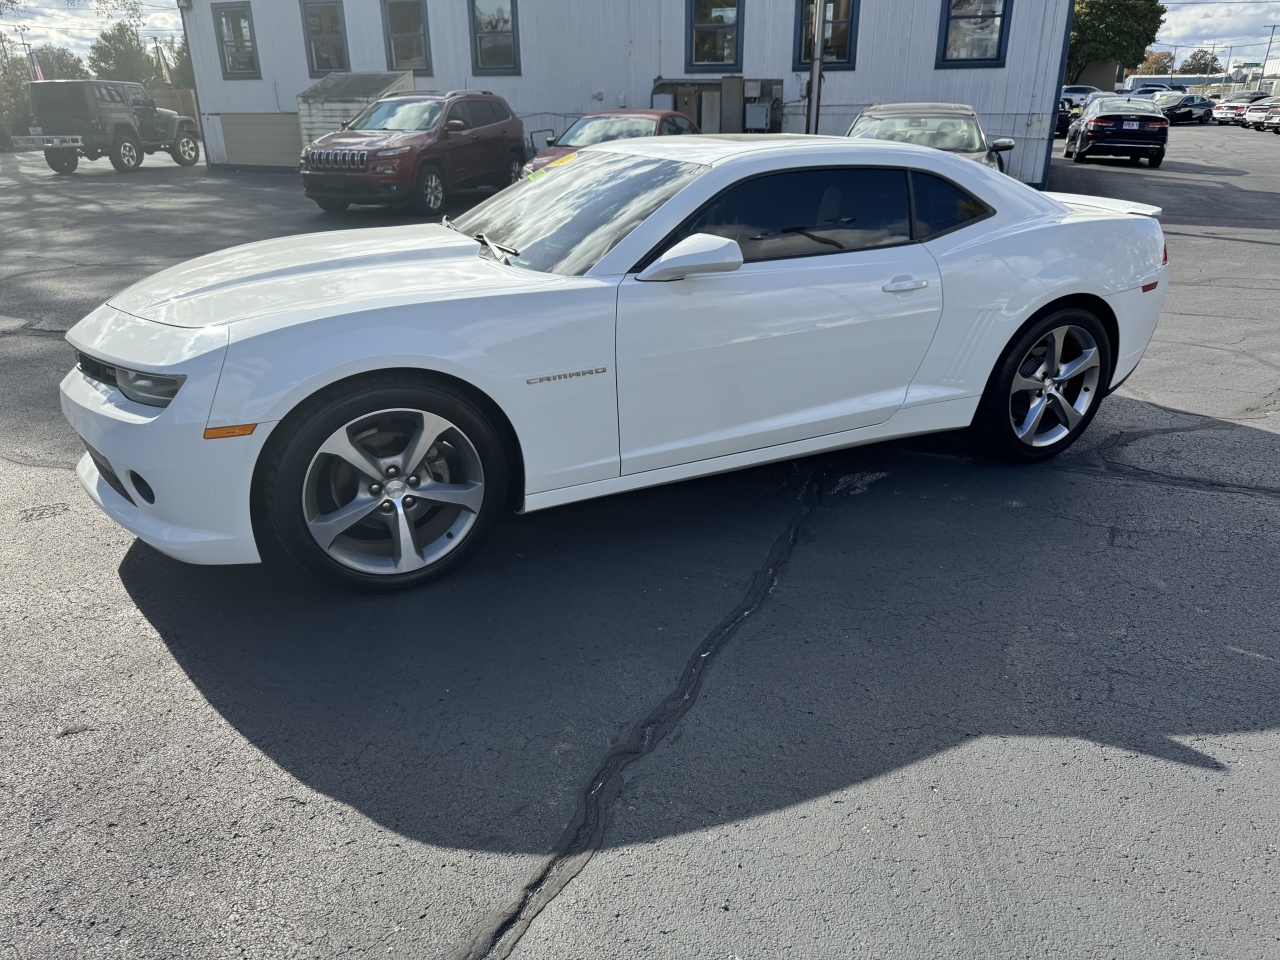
[{"x": 108, "y": 474}]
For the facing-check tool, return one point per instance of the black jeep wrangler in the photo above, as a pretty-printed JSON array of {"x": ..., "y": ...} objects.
[{"x": 95, "y": 118}]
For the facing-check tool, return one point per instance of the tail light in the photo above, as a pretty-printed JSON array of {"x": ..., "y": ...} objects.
[{"x": 1157, "y": 123}]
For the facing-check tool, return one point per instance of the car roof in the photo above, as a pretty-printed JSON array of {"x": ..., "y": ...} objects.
[{"x": 915, "y": 109}]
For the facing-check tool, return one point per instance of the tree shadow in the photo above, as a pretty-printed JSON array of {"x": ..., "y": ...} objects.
[{"x": 1123, "y": 594}]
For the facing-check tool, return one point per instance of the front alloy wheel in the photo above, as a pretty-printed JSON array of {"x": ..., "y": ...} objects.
[{"x": 429, "y": 192}]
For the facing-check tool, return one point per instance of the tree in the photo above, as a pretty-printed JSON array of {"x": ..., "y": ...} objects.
[
  {"x": 119, "y": 54},
  {"x": 180, "y": 63},
  {"x": 1107, "y": 32},
  {"x": 1201, "y": 61},
  {"x": 1156, "y": 64},
  {"x": 59, "y": 63},
  {"x": 15, "y": 105}
]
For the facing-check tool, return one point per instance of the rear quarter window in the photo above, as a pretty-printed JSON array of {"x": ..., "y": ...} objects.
[{"x": 941, "y": 206}]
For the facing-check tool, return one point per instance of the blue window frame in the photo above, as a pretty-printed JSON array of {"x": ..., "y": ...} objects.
[
  {"x": 840, "y": 49},
  {"x": 495, "y": 38},
  {"x": 404, "y": 22},
  {"x": 973, "y": 33},
  {"x": 713, "y": 36}
]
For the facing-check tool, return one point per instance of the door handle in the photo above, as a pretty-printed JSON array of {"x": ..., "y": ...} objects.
[{"x": 904, "y": 286}]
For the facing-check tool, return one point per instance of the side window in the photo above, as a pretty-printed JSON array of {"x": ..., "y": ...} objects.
[
  {"x": 482, "y": 113},
  {"x": 683, "y": 125},
  {"x": 137, "y": 96},
  {"x": 461, "y": 111},
  {"x": 942, "y": 206},
  {"x": 668, "y": 128},
  {"x": 500, "y": 112},
  {"x": 804, "y": 213}
]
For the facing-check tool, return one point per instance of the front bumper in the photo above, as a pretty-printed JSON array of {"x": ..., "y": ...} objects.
[{"x": 355, "y": 187}]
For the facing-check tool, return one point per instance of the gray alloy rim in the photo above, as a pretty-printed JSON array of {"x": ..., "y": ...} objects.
[
  {"x": 187, "y": 147},
  {"x": 1054, "y": 386},
  {"x": 128, "y": 154},
  {"x": 393, "y": 491},
  {"x": 433, "y": 190},
  {"x": 516, "y": 167}
]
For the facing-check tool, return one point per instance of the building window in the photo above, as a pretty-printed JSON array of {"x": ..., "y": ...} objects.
[
  {"x": 495, "y": 38},
  {"x": 840, "y": 48},
  {"x": 233, "y": 31},
  {"x": 974, "y": 33},
  {"x": 715, "y": 36},
  {"x": 326, "y": 37},
  {"x": 408, "y": 43}
]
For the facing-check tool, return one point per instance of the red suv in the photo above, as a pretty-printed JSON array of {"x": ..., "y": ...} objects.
[{"x": 414, "y": 149}]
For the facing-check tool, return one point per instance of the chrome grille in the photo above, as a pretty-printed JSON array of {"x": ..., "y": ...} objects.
[{"x": 337, "y": 159}]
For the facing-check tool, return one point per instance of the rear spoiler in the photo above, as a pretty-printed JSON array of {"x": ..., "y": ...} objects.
[{"x": 1081, "y": 202}]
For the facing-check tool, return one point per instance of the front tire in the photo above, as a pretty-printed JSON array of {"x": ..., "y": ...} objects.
[
  {"x": 1046, "y": 388},
  {"x": 429, "y": 192},
  {"x": 62, "y": 160},
  {"x": 186, "y": 151},
  {"x": 1078, "y": 154},
  {"x": 384, "y": 484},
  {"x": 126, "y": 154}
]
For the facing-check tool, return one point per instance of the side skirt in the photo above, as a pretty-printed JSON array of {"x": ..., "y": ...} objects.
[{"x": 908, "y": 422}]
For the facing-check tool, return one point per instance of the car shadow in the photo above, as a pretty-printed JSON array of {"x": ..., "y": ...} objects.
[{"x": 1123, "y": 594}]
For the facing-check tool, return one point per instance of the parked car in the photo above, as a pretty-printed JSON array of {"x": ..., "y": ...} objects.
[
  {"x": 1231, "y": 110},
  {"x": 1076, "y": 93},
  {"x": 72, "y": 119},
  {"x": 612, "y": 125},
  {"x": 649, "y": 311},
  {"x": 1184, "y": 108},
  {"x": 952, "y": 127},
  {"x": 415, "y": 149},
  {"x": 1273, "y": 120},
  {"x": 1256, "y": 113},
  {"x": 1129, "y": 127},
  {"x": 1064, "y": 118}
]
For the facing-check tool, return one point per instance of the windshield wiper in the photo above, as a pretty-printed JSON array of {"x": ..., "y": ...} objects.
[{"x": 500, "y": 251}]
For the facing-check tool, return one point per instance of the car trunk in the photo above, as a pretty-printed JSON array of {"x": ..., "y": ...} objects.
[
  {"x": 62, "y": 109},
  {"x": 1140, "y": 129}
]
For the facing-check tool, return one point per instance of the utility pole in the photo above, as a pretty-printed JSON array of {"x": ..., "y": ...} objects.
[
  {"x": 1263, "y": 72},
  {"x": 1227, "y": 71},
  {"x": 815, "y": 64}
]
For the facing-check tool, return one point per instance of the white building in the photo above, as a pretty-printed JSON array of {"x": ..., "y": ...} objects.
[{"x": 554, "y": 60}]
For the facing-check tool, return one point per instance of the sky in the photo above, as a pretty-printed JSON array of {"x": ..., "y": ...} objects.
[{"x": 1188, "y": 25}]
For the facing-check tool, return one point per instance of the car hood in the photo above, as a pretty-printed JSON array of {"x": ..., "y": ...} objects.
[
  {"x": 549, "y": 154},
  {"x": 366, "y": 139},
  {"x": 321, "y": 274}
]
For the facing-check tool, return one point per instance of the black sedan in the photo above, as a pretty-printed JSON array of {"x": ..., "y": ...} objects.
[
  {"x": 1184, "y": 108},
  {"x": 1064, "y": 118},
  {"x": 1116, "y": 127}
]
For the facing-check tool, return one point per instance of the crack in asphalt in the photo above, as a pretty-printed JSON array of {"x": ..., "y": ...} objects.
[{"x": 499, "y": 935}]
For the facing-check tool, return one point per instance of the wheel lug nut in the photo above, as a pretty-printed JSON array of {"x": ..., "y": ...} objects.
[
  {"x": 388, "y": 507},
  {"x": 413, "y": 480},
  {"x": 408, "y": 502},
  {"x": 393, "y": 472},
  {"x": 375, "y": 489}
]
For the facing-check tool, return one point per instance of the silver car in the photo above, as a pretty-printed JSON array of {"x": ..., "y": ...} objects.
[
  {"x": 1256, "y": 114},
  {"x": 953, "y": 127}
]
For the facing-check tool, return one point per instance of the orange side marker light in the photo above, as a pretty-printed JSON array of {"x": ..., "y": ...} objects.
[{"x": 239, "y": 430}]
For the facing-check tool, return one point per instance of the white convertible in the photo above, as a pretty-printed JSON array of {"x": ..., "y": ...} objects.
[{"x": 639, "y": 313}]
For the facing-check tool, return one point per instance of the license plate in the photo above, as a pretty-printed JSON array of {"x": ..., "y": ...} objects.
[
  {"x": 335, "y": 181},
  {"x": 1131, "y": 124}
]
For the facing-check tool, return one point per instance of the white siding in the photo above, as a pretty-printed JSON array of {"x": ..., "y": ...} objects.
[{"x": 572, "y": 50}]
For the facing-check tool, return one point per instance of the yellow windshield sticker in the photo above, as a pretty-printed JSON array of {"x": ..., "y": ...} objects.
[{"x": 563, "y": 160}]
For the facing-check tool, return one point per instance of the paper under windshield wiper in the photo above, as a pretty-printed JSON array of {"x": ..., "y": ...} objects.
[{"x": 500, "y": 251}]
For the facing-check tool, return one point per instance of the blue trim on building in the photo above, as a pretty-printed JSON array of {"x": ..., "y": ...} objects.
[
  {"x": 690, "y": 66},
  {"x": 942, "y": 63},
  {"x": 802, "y": 66}
]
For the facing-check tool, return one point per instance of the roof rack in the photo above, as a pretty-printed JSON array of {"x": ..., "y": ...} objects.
[{"x": 458, "y": 93}]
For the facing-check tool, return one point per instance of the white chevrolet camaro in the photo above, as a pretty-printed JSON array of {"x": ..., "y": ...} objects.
[{"x": 641, "y": 312}]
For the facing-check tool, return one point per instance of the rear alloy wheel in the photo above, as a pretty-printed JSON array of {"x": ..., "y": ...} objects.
[
  {"x": 186, "y": 151},
  {"x": 515, "y": 167},
  {"x": 62, "y": 160},
  {"x": 386, "y": 485},
  {"x": 1046, "y": 388},
  {"x": 126, "y": 155},
  {"x": 429, "y": 193}
]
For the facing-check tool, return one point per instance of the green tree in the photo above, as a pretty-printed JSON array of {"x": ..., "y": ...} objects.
[
  {"x": 180, "y": 63},
  {"x": 1201, "y": 61},
  {"x": 120, "y": 54},
  {"x": 59, "y": 63},
  {"x": 15, "y": 105},
  {"x": 1156, "y": 64},
  {"x": 1104, "y": 31}
]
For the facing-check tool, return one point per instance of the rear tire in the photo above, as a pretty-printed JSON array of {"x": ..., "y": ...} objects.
[
  {"x": 1204, "y": 118},
  {"x": 126, "y": 154},
  {"x": 429, "y": 192},
  {"x": 62, "y": 160},
  {"x": 1014, "y": 421},
  {"x": 1155, "y": 161},
  {"x": 338, "y": 470},
  {"x": 186, "y": 150}
]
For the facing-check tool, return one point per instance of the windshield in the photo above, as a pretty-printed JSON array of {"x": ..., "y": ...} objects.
[
  {"x": 591, "y": 130},
  {"x": 399, "y": 115},
  {"x": 957, "y": 134},
  {"x": 1164, "y": 99},
  {"x": 566, "y": 216}
]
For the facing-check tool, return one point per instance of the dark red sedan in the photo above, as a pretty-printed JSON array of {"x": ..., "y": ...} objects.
[{"x": 612, "y": 125}]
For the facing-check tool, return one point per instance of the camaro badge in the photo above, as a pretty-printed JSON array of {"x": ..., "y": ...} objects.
[{"x": 566, "y": 376}]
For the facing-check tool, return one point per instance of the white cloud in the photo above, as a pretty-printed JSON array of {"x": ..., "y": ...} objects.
[{"x": 1242, "y": 26}]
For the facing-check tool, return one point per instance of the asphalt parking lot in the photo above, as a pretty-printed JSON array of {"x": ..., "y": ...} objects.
[{"x": 949, "y": 707}]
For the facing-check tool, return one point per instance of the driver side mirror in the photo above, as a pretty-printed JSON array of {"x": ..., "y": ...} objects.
[
  {"x": 1003, "y": 144},
  {"x": 552, "y": 141},
  {"x": 700, "y": 253},
  {"x": 455, "y": 126}
]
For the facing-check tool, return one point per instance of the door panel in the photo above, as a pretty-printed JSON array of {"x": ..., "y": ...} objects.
[
  {"x": 780, "y": 350},
  {"x": 463, "y": 149}
]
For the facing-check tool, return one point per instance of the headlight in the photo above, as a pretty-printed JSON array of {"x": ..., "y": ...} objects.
[
  {"x": 392, "y": 153},
  {"x": 153, "y": 389}
]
